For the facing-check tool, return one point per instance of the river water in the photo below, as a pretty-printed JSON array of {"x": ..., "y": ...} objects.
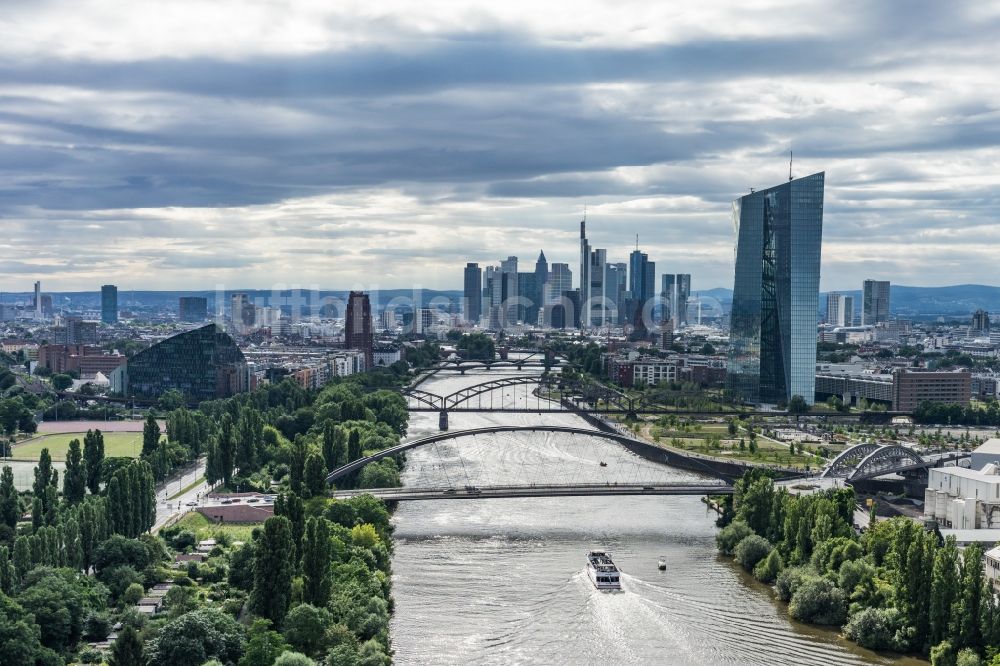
[{"x": 503, "y": 581}]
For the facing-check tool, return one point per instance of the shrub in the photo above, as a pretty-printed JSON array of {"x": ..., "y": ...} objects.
[
  {"x": 789, "y": 580},
  {"x": 293, "y": 659},
  {"x": 818, "y": 601},
  {"x": 853, "y": 572},
  {"x": 767, "y": 569},
  {"x": 968, "y": 657},
  {"x": 874, "y": 628},
  {"x": 943, "y": 654},
  {"x": 751, "y": 550},
  {"x": 730, "y": 535}
]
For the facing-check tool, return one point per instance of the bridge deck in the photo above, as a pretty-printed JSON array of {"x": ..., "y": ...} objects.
[{"x": 563, "y": 490}]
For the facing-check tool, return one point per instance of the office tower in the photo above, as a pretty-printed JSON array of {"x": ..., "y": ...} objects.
[
  {"x": 109, "y": 304},
  {"x": 667, "y": 295},
  {"x": 839, "y": 309},
  {"x": 243, "y": 313},
  {"x": 193, "y": 308},
  {"x": 584, "y": 261},
  {"x": 980, "y": 322},
  {"x": 75, "y": 331},
  {"x": 203, "y": 364},
  {"x": 847, "y": 310},
  {"x": 616, "y": 286},
  {"x": 505, "y": 294},
  {"x": 681, "y": 301},
  {"x": 560, "y": 280},
  {"x": 358, "y": 326},
  {"x": 598, "y": 305},
  {"x": 472, "y": 303},
  {"x": 566, "y": 313},
  {"x": 772, "y": 352},
  {"x": 38, "y": 299},
  {"x": 538, "y": 293},
  {"x": 875, "y": 302}
]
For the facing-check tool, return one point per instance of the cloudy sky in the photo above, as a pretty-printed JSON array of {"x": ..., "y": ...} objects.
[{"x": 188, "y": 145}]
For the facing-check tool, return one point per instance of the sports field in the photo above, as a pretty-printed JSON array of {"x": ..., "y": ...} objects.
[{"x": 116, "y": 444}]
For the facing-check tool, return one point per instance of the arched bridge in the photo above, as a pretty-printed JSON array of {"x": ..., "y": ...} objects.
[
  {"x": 869, "y": 460},
  {"x": 629, "y": 481}
]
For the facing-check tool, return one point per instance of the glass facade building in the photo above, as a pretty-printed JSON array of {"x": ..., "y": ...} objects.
[
  {"x": 203, "y": 364},
  {"x": 772, "y": 352},
  {"x": 109, "y": 304}
]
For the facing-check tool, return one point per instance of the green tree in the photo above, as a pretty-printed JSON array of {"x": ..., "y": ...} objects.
[
  {"x": 818, "y": 601},
  {"x": 798, "y": 405},
  {"x": 273, "y": 569},
  {"x": 731, "y": 535},
  {"x": 294, "y": 659},
  {"x": 290, "y": 506},
  {"x": 767, "y": 569},
  {"x": 56, "y": 600},
  {"x": 305, "y": 628},
  {"x": 966, "y": 630},
  {"x": 93, "y": 455},
  {"x": 196, "y": 637},
  {"x": 61, "y": 382},
  {"x": 75, "y": 476},
  {"x": 226, "y": 449},
  {"x": 334, "y": 445},
  {"x": 44, "y": 476},
  {"x": 265, "y": 645},
  {"x": 315, "y": 475},
  {"x": 150, "y": 436},
  {"x": 249, "y": 434},
  {"x": 751, "y": 550},
  {"x": 944, "y": 588},
  {"x": 20, "y": 637},
  {"x": 127, "y": 650},
  {"x": 354, "y": 445},
  {"x": 316, "y": 554},
  {"x": 10, "y": 502}
]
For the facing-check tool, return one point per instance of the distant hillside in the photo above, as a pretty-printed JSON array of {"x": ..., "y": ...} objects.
[{"x": 957, "y": 301}]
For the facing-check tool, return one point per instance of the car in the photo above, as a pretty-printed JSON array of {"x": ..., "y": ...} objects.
[
  {"x": 227, "y": 501},
  {"x": 191, "y": 503},
  {"x": 251, "y": 500}
]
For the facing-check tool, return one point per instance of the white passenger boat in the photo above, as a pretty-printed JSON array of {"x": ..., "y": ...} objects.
[{"x": 602, "y": 571}]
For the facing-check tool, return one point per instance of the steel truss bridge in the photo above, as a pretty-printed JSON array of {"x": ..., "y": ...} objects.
[
  {"x": 552, "y": 393},
  {"x": 870, "y": 460},
  {"x": 624, "y": 485}
]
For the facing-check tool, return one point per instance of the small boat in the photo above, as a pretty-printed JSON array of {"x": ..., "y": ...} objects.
[
  {"x": 602, "y": 571},
  {"x": 604, "y": 464},
  {"x": 661, "y": 564}
]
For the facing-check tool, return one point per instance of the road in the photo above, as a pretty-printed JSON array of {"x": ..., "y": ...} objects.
[{"x": 167, "y": 508}]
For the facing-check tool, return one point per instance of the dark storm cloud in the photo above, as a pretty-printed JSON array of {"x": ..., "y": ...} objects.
[{"x": 454, "y": 124}]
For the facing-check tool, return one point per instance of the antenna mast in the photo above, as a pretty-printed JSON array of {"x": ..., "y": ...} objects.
[{"x": 790, "y": 155}]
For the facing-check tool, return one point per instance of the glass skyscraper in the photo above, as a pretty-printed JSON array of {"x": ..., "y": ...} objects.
[{"x": 772, "y": 352}]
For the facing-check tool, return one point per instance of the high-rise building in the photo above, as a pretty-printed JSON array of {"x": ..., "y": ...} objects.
[
  {"x": 681, "y": 300},
  {"x": 472, "y": 304},
  {"x": 584, "y": 262},
  {"x": 598, "y": 306},
  {"x": 358, "y": 326},
  {"x": 839, "y": 309},
  {"x": 615, "y": 287},
  {"x": 667, "y": 295},
  {"x": 109, "y": 304},
  {"x": 243, "y": 313},
  {"x": 193, "y": 308},
  {"x": 505, "y": 294},
  {"x": 772, "y": 351},
  {"x": 38, "y": 299},
  {"x": 537, "y": 296},
  {"x": 75, "y": 331},
  {"x": 874, "y": 302},
  {"x": 560, "y": 280},
  {"x": 980, "y": 322}
]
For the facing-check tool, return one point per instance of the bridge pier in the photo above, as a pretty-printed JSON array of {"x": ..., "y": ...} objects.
[{"x": 443, "y": 420}]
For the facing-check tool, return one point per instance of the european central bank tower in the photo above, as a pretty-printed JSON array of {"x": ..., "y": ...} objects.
[{"x": 772, "y": 349}]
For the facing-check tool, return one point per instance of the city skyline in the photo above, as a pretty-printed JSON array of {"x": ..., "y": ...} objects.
[{"x": 340, "y": 146}]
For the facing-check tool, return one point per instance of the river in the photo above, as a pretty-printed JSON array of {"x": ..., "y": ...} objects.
[{"x": 503, "y": 581}]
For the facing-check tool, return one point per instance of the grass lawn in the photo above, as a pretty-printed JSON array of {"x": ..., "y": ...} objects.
[
  {"x": 206, "y": 529},
  {"x": 116, "y": 445}
]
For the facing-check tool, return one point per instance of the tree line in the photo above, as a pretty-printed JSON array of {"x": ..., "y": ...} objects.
[{"x": 896, "y": 587}]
